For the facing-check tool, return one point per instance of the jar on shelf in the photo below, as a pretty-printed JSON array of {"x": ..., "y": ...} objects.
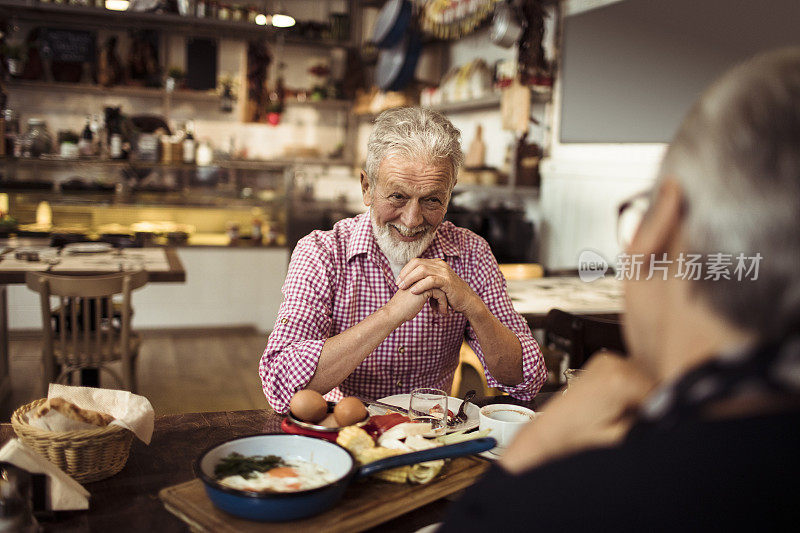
[
  {"x": 224, "y": 12},
  {"x": 11, "y": 132},
  {"x": 37, "y": 139},
  {"x": 212, "y": 9},
  {"x": 252, "y": 13}
]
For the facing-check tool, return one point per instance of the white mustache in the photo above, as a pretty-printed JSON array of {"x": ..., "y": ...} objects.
[{"x": 408, "y": 232}]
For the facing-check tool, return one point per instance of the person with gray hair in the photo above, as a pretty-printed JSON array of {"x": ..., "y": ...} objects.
[
  {"x": 381, "y": 304},
  {"x": 699, "y": 429}
]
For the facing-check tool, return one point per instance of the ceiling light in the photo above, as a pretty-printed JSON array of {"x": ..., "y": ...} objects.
[
  {"x": 262, "y": 19},
  {"x": 282, "y": 21},
  {"x": 117, "y": 5}
]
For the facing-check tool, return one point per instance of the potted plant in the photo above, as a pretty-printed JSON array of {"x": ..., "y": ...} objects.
[
  {"x": 175, "y": 77},
  {"x": 8, "y": 224},
  {"x": 15, "y": 56},
  {"x": 227, "y": 93}
]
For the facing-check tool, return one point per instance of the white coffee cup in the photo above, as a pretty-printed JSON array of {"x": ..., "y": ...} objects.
[{"x": 504, "y": 420}]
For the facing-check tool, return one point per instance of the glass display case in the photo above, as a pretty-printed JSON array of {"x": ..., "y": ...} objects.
[{"x": 142, "y": 203}]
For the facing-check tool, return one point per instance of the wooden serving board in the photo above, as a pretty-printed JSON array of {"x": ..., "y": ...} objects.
[{"x": 365, "y": 504}]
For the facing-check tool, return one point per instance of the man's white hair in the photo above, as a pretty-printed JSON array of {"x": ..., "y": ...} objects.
[
  {"x": 737, "y": 157},
  {"x": 414, "y": 134}
]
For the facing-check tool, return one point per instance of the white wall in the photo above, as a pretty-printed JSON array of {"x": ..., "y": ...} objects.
[
  {"x": 224, "y": 287},
  {"x": 632, "y": 69},
  {"x": 582, "y": 183}
]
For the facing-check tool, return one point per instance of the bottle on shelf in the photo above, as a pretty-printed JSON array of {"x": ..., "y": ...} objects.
[
  {"x": 11, "y": 133},
  {"x": 189, "y": 144},
  {"x": 256, "y": 233},
  {"x": 86, "y": 142},
  {"x": 113, "y": 119},
  {"x": 205, "y": 155},
  {"x": 98, "y": 136},
  {"x": 115, "y": 146}
]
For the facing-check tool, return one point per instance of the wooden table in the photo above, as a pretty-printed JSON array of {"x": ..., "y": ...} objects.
[
  {"x": 129, "y": 500},
  {"x": 534, "y": 298},
  {"x": 174, "y": 272}
]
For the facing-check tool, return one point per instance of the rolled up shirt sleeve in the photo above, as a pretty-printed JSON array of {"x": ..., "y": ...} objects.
[
  {"x": 494, "y": 293},
  {"x": 301, "y": 328}
]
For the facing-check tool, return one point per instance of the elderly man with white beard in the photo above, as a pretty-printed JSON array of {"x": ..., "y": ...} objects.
[{"x": 381, "y": 304}]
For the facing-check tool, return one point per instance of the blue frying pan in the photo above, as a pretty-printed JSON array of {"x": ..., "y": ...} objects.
[
  {"x": 285, "y": 506},
  {"x": 396, "y": 65},
  {"x": 392, "y": 22}
]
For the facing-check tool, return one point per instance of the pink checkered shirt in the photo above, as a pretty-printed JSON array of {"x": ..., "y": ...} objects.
[{"x": 337, "y": 278}]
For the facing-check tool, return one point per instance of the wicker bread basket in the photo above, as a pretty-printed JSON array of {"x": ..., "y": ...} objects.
[{"x": 86, "y": 455}]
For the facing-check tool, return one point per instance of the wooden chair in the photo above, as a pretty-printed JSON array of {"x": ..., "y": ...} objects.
[
  {"x": 470, "y": 375},
  {"x": 468, "y": 361},
  {"x": 581, "y": 336},
  {"x": 82, "y": 332},
  {"x": 521, "y": 270}
]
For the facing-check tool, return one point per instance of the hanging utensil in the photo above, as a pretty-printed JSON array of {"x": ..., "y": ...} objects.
[
  {"x": 396, "y": 65},
  {"x": 392, "y": 22},
  {"x": 506, "y": 26}
]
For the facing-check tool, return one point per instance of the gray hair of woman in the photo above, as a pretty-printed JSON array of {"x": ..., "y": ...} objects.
[
  {"x": 415, "y": 134},
  {"x": 737, "y": 157}
]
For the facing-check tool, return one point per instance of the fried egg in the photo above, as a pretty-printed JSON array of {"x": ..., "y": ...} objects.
[{"x": 295, "y": 476}]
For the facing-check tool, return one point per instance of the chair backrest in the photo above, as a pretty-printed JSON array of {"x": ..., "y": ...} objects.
[
  {"x": 581, "y": 336},
  {"x": 521, "y": 270},
  {"x": 81, "y": 328}
]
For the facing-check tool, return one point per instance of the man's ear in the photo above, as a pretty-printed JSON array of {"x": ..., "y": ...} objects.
[
  {"x": 366, "y": 191},
  {"x": 661, "y": 225}
]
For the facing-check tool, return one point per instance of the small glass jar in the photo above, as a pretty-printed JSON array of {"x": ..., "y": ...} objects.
[
  {"x": 11, "y": 131},
  {"x": 212, "y": 9},
  {"x": 224, "y": 12},
  {"x": 37, "y": 140},
  {"x": 252, "y": 13}
]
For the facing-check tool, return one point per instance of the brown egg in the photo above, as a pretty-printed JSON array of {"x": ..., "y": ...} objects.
[
  {"x": 329, "y": 421},
  {"x": 349, "y": 411},
  {"x": 308, "y": 406}
]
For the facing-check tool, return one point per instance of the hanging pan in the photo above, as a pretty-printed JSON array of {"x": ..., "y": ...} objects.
[
  {"x": 506, "y": 26},
  {"x": 392, "y": 22},
  {"x": 396, "y": 65}
]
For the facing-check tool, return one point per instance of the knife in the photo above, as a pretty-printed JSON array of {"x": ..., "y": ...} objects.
[{"x": 384, "y": 405}]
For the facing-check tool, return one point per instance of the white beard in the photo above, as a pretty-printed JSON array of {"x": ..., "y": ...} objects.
[{"x": 400, "y": 251}]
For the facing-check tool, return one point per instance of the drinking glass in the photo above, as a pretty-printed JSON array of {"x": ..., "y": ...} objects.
[{"x": 429, "y": 405}]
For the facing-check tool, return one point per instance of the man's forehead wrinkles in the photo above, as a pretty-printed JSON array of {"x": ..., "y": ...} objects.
[{"x": 432, "y": 187}]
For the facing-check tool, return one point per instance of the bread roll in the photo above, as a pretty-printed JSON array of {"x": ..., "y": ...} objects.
[{"x": 72, "y": 411}]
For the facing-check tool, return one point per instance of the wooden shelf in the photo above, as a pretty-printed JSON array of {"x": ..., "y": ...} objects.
[
  {"x": 331, "y": 104},
  {"x": 488, "y": 102},
  {"x": 85, "y": 17},
  {"x": 244, "y": 164},
  {"x": 118, "y": 90}
]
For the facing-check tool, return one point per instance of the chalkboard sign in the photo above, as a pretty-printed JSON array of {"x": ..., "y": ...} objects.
[{"x": 68, "y": 45}]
